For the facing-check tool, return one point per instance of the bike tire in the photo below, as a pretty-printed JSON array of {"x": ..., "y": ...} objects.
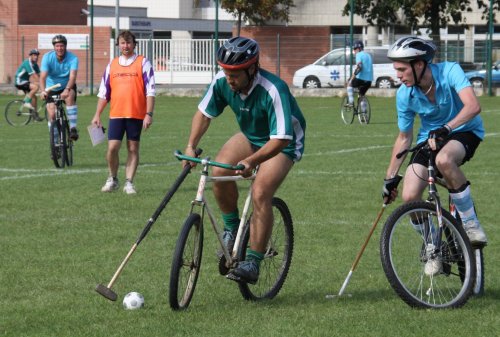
[
  {"x": 56, "y": 150},
  {"x": 186, "y": 263},
  {"x": 16, "y": 114},
  {"x": 67, "y": 144},
  {"x": 346, "y": 111},
  {"x": 364, "y": 117},
  {"x": 277, "y": 259},
  {"x": 403, "y": 258}
]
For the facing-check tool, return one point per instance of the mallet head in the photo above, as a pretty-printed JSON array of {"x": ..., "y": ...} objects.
[{"x": 106, "y": 292}]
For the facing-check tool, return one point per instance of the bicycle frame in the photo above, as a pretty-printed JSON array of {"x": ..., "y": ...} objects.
[{"x": 201, "y": 201}]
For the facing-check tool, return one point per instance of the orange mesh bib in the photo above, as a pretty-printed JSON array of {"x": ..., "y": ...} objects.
[{"x": 128, "y": 97}]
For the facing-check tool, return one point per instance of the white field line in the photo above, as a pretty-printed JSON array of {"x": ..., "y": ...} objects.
[{"x": 358, "y": 149}]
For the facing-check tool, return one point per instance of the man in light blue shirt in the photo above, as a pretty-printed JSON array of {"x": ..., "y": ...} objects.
[
  {"x": 448, "y": 110},
  {"x": 363, "y": 73},
  {"x": 60, "y": 66}
]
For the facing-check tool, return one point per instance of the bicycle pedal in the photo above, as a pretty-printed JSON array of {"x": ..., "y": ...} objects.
[{"x": 235, "y": 278}]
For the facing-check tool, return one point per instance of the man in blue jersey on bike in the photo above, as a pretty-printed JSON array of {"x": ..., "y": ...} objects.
[
  {"x": 448, "y": 109},
  {"x": 60, "y": 66},
  {"x": 363, "y": 74},
  {"x": 271, "y": 136}
]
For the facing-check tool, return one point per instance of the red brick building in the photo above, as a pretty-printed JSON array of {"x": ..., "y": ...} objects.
[{"x": 21, "y": 22}]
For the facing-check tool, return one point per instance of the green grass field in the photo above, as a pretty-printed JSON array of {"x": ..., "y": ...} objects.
[{"x": 60, "y": 236}]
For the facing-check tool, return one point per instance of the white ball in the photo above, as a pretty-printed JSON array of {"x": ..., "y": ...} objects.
[{"x": 133, "y": 300}]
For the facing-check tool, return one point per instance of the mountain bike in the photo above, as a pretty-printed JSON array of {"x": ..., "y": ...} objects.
[
  {"x": 425, "y": 252},
  {"x": 16, "y": 114},
  {"x": 348, "y": 111},
  {"x": 187, "y": 256},
  {"x": 61, "y": 146}
]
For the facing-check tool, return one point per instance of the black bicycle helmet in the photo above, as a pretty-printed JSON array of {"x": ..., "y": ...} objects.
[
  {"x": 411, "y": 48},
  {"x": 238, "y": 53},
  {"x": 34, "y": 52},
  {"x": 59, "y": 39},
  {"x": 358, "y": 44}
]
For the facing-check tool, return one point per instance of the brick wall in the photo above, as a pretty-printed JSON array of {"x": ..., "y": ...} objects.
[
  {"x": 60, "y": 12},
  {"x": 295, "y": 47}
]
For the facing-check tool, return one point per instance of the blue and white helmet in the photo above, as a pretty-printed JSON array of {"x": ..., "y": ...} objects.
[{"x": 411, "y": 48}]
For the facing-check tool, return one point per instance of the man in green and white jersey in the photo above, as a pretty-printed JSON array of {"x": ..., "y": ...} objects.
[
  {"x": 27, "y": 78},
  {"x": 272, "y": 133}
]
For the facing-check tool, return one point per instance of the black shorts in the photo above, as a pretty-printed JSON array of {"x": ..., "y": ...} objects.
[
  {"x": 362, "y": 85},
  {"x": 468, "y": 139},
  {"x": 24, "y": 87},
  {"x": 119, "y": 126},
  {"x": 59, "y": 92}
]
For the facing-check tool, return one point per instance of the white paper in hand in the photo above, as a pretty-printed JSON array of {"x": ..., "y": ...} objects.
[{"x": 96, "y": 134}]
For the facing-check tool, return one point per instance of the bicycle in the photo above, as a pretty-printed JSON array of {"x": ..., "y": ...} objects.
[
  {"x": 348, "y": 111},
  {"x": 61, "y": 145},
  {"x": 16, "y": 114},
  {"x": 425, "y": 252},
  {"x": 187, "y": 256}
]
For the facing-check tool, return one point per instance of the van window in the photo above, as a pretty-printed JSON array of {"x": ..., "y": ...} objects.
[
  {"x": 380, "y": 56},
  {"x": 336, "y": 57}
]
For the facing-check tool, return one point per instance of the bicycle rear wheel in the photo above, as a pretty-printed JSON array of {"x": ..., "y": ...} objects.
[
  {"x": 186, "y": 263},
  {"x": 277, "y": 258},
  {"x": 16, "y": 114},
  {"x": 56, "y": 148},
  {"x": 405, "y": 252},
  {"x": 364, "y": 116},
  {"x": 347, "y": 111}
]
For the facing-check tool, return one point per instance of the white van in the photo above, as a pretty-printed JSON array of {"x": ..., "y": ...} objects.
[{"x": 333, "y": 70}]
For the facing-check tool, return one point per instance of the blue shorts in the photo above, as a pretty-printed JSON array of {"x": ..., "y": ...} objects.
[{"x": 119, "y": 126}]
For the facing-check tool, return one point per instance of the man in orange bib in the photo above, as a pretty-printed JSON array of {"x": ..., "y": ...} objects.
[{"x": 128, "y": 82}]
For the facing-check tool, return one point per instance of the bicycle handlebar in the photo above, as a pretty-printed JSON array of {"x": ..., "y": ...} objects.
[
  {"x": 206, "y": 161},
  {"x": 412, "y": 149}
]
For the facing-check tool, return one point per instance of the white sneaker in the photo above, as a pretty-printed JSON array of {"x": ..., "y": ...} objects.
[
  {"x": 110, "y": 185},
  {"x": 129, "y": 188},
  {"x": 28, "y": 105},
  {"x": 434, "y": 265},
  {"x": 475, "y": 233}
]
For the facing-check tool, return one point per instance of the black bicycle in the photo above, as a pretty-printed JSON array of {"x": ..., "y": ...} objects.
[
  {"x": 61, "y": 146},
  {"x": 360, "y": 107},
  {"x": 425, "y": 252}
]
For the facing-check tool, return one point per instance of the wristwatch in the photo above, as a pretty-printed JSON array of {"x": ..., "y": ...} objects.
[{"x": 150, "y": 114}]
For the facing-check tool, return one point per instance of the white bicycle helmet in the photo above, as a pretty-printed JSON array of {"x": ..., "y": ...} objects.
[{"x": 411, "y": 48}]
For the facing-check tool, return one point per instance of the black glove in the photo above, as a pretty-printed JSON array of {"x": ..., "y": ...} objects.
[
  {"x": 440, "y": 133},
  {"x": 390, "y": 185}
]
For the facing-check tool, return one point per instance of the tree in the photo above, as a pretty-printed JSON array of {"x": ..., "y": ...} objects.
[
  {"x": 431, "y": 13},
  {"x": 258, "y": 11}
]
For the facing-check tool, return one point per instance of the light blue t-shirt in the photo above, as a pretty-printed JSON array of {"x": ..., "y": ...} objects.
[
  {"x": 366, "y": 73},
  {"x": 449, "y": 79},
  {"x": 268, "y": 111},
  {"x": 58, "y": 72}
]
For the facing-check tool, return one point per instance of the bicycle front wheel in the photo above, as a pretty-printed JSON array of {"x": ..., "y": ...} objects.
[
  {"x": 56, "y": 148},
  {"x": 426, "y": 266},
  {"x": 16, "y": 114},
  {"x": 67, "y": 144},
  {"x": 347, "y": 111},
  {"x": 277, "y": 258},
  {"x": 186, "y": 263},
  {"x": 364, "y": 110}
]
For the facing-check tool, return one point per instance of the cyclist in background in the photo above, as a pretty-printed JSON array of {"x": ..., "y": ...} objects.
[
  {"x": 443, "y": 99},
  {"x": 27, "y": 79},
  {"x": 363, "y": 73},
  {"x": 60, "y": 66},
  {"x": 271, "y": 137}
]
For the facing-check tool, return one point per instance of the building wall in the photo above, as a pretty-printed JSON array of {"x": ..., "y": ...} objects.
[
  {"x": 290, "y": 47},
  {"x": 66, "y": 12}
]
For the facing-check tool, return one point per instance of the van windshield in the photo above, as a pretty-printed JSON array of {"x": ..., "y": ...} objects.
[{"x": 335, "y": 57}]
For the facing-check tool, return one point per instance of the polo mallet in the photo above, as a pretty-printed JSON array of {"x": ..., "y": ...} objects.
[
  {"x": 106, "y": 290},
  {"x": 360, "y": 253}
]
